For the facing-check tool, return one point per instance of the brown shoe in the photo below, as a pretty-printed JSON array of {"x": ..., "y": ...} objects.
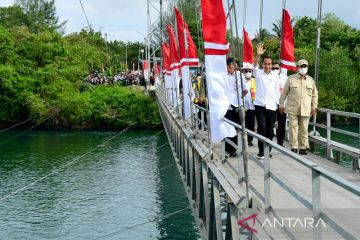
[
  {"x": 294, "y": 150},
  {"x": 302, "y": 152}
]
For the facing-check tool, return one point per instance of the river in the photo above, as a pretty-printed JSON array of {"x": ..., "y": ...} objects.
[{"x": 128, "y": 188}]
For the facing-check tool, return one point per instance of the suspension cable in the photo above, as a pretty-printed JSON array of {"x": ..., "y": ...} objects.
[
  {"x": 29, "y": 129},
  {"x": 143, "y": 223},
  {"x": 63, "y": 166},
  {"x": 18, "y": 124}
]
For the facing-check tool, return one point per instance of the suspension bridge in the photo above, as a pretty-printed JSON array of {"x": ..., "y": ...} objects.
[{"x": 283, "y": 196}]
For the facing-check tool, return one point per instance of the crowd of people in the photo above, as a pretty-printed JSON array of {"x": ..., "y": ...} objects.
[
  {"x": 269, "y": 96},
  {"x": 123, "y": 78}
]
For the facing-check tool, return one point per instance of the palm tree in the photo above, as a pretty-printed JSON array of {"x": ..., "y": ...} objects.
[
  {"x": 264, "y": 34},
  {"x": 277, "y": 28}
]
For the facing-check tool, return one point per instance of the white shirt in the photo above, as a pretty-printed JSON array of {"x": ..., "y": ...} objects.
[
  {"x": 281, "y": 82},
  {"x": 231, "y": 88},
  {"x": 248, "y": 101},
  {"x": 266, "y": 89}
]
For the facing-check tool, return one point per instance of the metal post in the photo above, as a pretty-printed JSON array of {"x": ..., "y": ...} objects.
[
  {"x": 261, "y": 16},
  {"x": 242, "y": 114},
  {"x": 267, "y": 177},
  {"x": 328, "y": 134},
  {"x": 316, "y": 203},
  {"x": 317, "y": 54}
]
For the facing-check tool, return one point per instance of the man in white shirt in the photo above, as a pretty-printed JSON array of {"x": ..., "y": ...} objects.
[
  {"x": 232, "y": 88},
  {"x": 266, "y": 98},
  {"x": 280, "y": 117}
]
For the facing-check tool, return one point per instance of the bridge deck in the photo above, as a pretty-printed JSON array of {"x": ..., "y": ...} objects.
[
  {"x": 337, "y": 203},
  {"x": 288, "y": 186}
]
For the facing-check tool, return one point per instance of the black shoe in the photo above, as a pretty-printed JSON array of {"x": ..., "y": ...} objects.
[
  {"x": 250, "y": 144},
  {"x": 231, "y": 154},
  {"x": 271, "y": 156},
  {"x": 302, "y": 152},
  {"x": 260, "y": 156},
  {"x": 294, "y": 150}
]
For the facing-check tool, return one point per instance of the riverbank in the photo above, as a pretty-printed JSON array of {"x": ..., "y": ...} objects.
[{"x": 102, "y": 107}]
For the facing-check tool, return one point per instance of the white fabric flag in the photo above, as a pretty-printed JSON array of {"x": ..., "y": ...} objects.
[
  {"x": 175, "y": 80},
  {"x": 216, "y": 73},
  {"x": 186, "y": 87}
]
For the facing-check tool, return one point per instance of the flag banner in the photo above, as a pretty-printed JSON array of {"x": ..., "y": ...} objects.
[
  {"x": 287, "y": 43},
  {"x": 166, "y": 67},
  {"x": 175, "y": 65},
  {"x": 216, "y": 48},
  {"x": 188, "y": 57},
  {"x": 248, "y": 49}
]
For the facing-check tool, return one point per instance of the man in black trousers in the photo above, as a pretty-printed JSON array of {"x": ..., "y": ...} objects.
[{"x": 266, "y": 98}]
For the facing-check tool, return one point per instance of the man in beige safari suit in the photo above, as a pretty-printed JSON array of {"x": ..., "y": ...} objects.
[{"x": 302, "y": 99}]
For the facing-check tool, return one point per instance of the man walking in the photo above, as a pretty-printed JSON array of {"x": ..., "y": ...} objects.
[
  {"x": 232, "y": 88},
  {"x": 249, "y": 98},
  {"x": 302, "y": 99},
  {"x": 266, "y": 98},
  {"x": 280, "y": 117}
]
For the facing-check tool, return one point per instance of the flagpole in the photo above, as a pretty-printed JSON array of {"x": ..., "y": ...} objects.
[
  {"x": 282, "y": 32},
  {"x": 241, "y": 107},
  {"x": 261, "y": 16},
  {"x": 231, "y": 29},
  {"x": 317, "y": 54}
]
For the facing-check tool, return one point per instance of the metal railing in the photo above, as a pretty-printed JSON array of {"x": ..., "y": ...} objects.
[
  {"x": 314, "y": 204},
  {"x": 329, "y": 143},
  {"x": 317, "y": 171}
]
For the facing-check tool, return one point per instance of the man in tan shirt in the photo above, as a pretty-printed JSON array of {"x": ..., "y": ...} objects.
[{"x": 302, "y": 99}]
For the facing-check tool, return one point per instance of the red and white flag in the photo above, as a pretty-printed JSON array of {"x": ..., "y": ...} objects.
[
  {"x": 175, "y": 64},
  {"x": 188, "y": 57},
  {"x": 166, "y": 69},
  {"x": 287, "y": 43},
  {"x": 216, "y": 48},
  {"x": 248, "y": 49}
]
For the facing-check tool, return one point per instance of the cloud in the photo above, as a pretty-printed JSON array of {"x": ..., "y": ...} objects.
[{"x": 123, "y": 19}]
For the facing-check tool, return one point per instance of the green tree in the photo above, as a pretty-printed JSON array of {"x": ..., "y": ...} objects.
[{"x": 41, "y": 14}]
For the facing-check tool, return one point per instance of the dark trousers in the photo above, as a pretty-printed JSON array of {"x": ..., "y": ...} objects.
[
  {"x": 265, "y": 120},
  {"x": 232, "y": 115},
  {"x": 250, "y": 122},
  {"x": 280, "y": 132}
]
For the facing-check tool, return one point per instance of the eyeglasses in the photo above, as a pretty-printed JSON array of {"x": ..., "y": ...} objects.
[
  {"x": 274, "y": 68},
  {"x": 247, "y": 71}
]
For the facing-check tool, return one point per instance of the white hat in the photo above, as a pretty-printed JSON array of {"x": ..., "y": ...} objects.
[{"x": 247, "y": 65}]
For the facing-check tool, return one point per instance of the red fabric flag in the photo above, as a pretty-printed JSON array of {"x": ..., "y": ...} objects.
[
  {"x": 188, "y": 55},
  {"x": 214, "y": 27},
  {"x": 166, "y": 57},
  {"x": 216, "y": 48},
  {"x": 248, "y": 49},
  {"x": 145, "y": 64},
  {"x": 287, "y": 46},
  {"x": 174, "y": 55}
]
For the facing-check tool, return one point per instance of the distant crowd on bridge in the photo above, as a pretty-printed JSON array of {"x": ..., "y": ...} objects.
[{"x": 122, "y": 78}]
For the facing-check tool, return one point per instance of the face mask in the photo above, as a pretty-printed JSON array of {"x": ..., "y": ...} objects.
[
  {"x": 247, "y": 75},
  {"x": 276, "y": 72},
  {"x": 303, "y": 71}
]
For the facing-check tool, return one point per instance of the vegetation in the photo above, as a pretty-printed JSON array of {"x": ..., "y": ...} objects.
[
  {"x": 338, "y": 81},
  {"x": 42, "y": 72}
]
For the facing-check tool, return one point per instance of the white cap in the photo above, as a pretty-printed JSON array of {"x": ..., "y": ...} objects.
[{"x": 247, "y": 65}]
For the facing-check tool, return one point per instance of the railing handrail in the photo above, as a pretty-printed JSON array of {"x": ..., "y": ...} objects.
[
  {"x": 333, "y": 177},
  {"x": 316, "y": 172},
  {"x": 340, "y": 113}
]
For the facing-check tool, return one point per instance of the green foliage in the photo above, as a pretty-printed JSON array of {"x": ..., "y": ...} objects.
[{"x": 42, "y": 72}]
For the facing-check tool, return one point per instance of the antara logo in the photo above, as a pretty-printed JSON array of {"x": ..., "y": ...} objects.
[
  {"x": 242, "y": 222},
  {"x": 290, "y": 222},
  {"x": 293, "y": 222}
]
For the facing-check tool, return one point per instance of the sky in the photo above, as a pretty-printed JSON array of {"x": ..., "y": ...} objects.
[{"x": 126, "y": 20}]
